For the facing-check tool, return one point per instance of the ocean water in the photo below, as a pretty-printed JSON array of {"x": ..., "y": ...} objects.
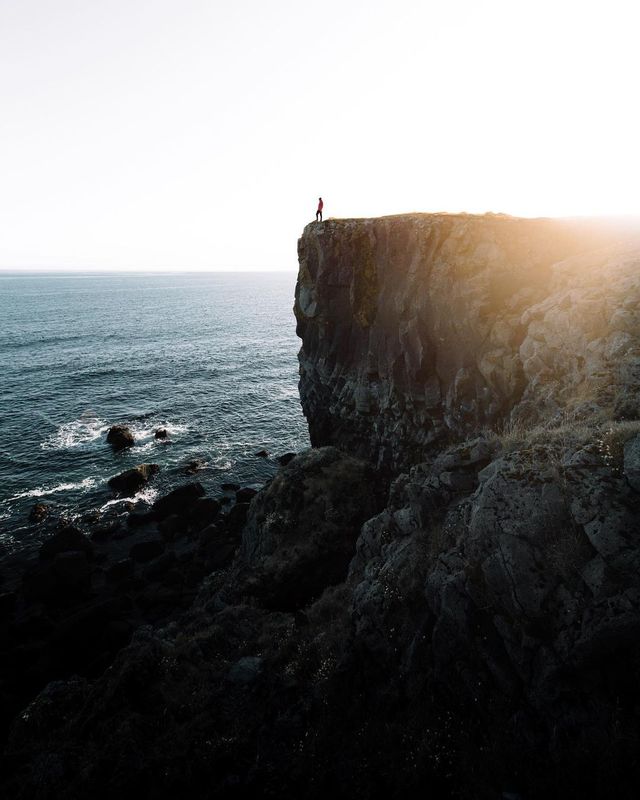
[{"x": 212, "y": 357}]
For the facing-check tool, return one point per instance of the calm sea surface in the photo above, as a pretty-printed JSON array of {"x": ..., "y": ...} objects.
[{"x": 211, "y": 357}]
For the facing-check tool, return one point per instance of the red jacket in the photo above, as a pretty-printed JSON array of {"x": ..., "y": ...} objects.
[{"x": 320, "y": 205}]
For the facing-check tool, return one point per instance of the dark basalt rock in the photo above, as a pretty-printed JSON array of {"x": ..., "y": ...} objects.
[
  {"x": 65, "y": 579},
  {"x": 203, "y": 512},
  {"x": 159, "y": 566},
  {"x": 262, "y": 454},
  {"x": 140, "y": 516},
  {"x": 121, "y": 570},
  {"x": 39, "y": 513},
  {"x": 237, "y": 516},
  {"x": 197, "y": 465},
  {"x": 301, "y": 531},
  {"x": 65, "y": 540},
  {"x": 7, "y": 602},
  {"x": 147, "y": 550},
  {"x": 120, "y": 437},
  {"x": 161, "y": 433},
  {"x": 130, "y": 482},
  {"x": 179, "y": 501},
  {"x": 285, "y": 458},
  {"x": 172, "y": 527},
  {"x": 246, "y": 494}
]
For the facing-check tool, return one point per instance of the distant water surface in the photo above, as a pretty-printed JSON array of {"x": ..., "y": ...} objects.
[{"x": 211, "y": 357}]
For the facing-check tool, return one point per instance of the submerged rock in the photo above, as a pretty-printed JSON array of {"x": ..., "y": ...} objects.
[
  {"x": 161, "y": 433},
  {"x": 197, "y": 465},
  {"x": 39, "y": 513}
]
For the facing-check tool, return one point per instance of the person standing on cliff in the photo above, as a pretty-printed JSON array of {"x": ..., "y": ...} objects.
[{"x": 319, "y": 211}]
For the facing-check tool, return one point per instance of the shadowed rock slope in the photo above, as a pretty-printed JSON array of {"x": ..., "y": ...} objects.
[{"x": 462, "y": 621}]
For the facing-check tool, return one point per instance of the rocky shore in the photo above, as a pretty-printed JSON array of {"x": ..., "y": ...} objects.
[{"x": 441, "y": 597}]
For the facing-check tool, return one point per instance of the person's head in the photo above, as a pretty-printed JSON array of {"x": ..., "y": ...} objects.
[{"x": 319, "y": 198}]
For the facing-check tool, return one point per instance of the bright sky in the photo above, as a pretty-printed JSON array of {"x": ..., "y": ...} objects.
[{"x": 195, "y": 134}]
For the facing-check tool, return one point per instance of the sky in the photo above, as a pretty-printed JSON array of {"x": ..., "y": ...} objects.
[{"x": 198, "y": 134}]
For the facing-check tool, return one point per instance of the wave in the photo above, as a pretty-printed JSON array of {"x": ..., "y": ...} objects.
[
  {"x": 148, "y": 432},
  {"x": 41, "y": 491},
  {"x": 74, "y": 434},
  {"x": 146, "y": 495}
]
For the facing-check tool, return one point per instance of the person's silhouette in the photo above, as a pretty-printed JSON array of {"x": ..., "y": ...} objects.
[{"x": 319, "y": 211}]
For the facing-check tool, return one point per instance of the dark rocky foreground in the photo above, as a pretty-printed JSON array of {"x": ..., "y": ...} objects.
[{"x": 442, "y": 598}]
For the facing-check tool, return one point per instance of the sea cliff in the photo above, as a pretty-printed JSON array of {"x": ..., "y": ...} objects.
[
  {"x": 442, "y": 596},
  {"x": 421, "y": 329}
]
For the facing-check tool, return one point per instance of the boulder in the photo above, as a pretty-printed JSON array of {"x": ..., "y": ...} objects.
[
  {"x": 147, "y": 550},
  {"x": 130, "y": 482},
  {"x": 66, "y": 540},
  {"x": 218, "y": 546},
  {"x": 245, "y": 495},
  {"x": 179, "y": 501},
  {"x": 237, "y": 517},
  {"x": 262, "y": 454},
  {"x": 140, "y": 515},
  {"x": 121, "y": 570},
  {"x": 65, "y": 579},
  {"x": 285, "y": 458},
  {"x": 120, "y": 437},
  {"x": 161, "y": 433},
  {"x": 203, "y": 512},
  {"x": 172, "y": 527},
  {"x": 160, "y": 565}
]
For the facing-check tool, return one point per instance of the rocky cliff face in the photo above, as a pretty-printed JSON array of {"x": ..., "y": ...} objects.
[
  {"x": 420, "y": 329},
  {"x": 463, "y": 621}
]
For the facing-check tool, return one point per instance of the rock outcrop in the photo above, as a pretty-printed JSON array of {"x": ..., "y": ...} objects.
[
  {"x": 441, "y": 598},
  {"x": 120, "y": 437},
  {"x": 418, "y": 330}
]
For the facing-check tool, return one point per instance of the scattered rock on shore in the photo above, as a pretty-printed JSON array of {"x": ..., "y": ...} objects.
[
  {"x": 130, "y": 482},
  {"x": 178, "y": 501}
]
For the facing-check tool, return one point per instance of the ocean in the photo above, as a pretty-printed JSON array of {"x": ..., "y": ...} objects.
[{"x": 211, "y": 357}]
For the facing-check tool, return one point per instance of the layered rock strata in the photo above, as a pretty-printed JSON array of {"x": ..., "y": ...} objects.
[{"x": 420, "y": 329}]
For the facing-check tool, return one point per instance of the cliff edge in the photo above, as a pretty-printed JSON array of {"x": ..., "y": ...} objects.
[{"x": 418, "y": 330}]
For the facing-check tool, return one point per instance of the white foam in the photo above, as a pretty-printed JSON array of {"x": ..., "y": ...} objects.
[
  {"x": 144, "y": 432},
  {"x": 146, "y": 495},
  {"x": 73, "y": 434},
  {"x": 41, "y": 491}
]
